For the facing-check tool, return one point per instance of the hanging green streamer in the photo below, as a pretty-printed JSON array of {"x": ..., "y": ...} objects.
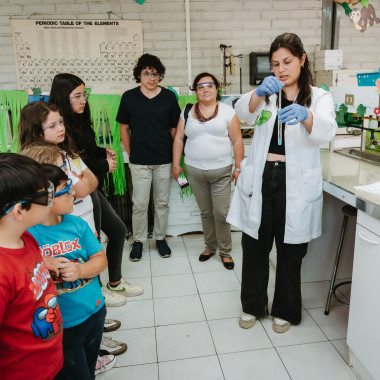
[
  {"x": 103, "y": 113},
  {"x": 11, "y": 103}
]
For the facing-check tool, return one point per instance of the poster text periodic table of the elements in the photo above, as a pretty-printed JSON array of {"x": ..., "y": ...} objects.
[{"x": 101, "y": 52}]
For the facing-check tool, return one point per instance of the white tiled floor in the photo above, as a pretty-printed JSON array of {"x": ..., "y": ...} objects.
[{"x": 185, "y": 325}]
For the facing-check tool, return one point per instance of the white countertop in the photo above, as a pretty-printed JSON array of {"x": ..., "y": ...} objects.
[{"x": 342, "y": 173}]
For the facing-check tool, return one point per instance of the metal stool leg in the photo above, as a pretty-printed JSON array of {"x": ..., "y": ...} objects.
[{"x": 332, "y": 282}]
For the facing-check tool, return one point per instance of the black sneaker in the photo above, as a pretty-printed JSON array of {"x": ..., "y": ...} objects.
[
  {"x": 136, "y": 251},
  {"x": 163, "y": 248}
]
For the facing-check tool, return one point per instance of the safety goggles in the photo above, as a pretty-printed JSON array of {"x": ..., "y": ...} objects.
[
  {"x": 79, "y": 97},
  {"x": 64, "y": 166},
  {"x": 67, "y": 190},
  {"x": 43, "y": 198},
  {"x": 202, "y": 86},
  {"x": 53, "y": 126}
]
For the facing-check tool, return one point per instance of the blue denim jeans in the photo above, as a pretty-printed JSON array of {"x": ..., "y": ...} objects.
[
  {"x": 255, "y": 272},
  {"x": 81, "y": 345}
]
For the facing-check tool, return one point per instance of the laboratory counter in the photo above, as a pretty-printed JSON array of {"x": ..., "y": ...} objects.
[
  {"x": 360, "y": 259},
  {"x": 341, "y": 174}
]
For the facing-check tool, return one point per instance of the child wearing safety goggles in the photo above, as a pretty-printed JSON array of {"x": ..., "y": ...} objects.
[
  {"x": 30, "y": 319},
  {"x": 71, "y": 249}
]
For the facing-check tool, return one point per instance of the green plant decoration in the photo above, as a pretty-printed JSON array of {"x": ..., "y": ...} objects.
[
  {"x": 36, "y": 91},
  {"x": 365, "y": 3},
  {"x": 361, "y": 110},
  {"x": 11, "y": 103},
  {"x": 343, "y": 108}
]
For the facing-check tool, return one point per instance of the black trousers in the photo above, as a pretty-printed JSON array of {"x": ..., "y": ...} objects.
[
  {"x": 110, "y": 223},
  {"x": 287, "y": 302}
]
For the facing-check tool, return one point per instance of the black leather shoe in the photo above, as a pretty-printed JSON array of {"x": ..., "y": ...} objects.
[
  {"x": 228, "y": 264},
  {"x": 203, "y": 257}
]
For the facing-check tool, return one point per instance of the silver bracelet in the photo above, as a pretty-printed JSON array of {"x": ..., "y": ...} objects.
[
  {"x": 238, "y": 170},
  {"x": 175, "y": 166}
]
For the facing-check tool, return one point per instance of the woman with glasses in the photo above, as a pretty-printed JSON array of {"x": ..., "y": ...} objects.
[
  {"x": 41, "y": 123},
  {"x": 213, "y": 138},
  {"x": 69, "y": 94}
]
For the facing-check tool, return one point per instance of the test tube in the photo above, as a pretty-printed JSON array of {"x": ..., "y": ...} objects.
[{"x": 279, "y": 123}]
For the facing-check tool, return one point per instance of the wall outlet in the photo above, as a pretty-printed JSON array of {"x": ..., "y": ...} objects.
[{"x": 349, "y": 100}]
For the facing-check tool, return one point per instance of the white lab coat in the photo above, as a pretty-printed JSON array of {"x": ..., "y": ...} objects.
[{"x": 303, "y": 169}]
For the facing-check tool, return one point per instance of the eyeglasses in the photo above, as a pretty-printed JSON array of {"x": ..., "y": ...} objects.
[
  {"x": 43, "y": 198},
  {"x": 79, "y": 97},
  {"x": 149, "y": 74},
  {"x": 202, "y": 86},
  {"x": 67, "y": 190},
  {"x": 53, "y": 126}
]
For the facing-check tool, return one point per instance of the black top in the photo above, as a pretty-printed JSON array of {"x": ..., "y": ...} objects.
[
  {"x": 274, "y": 147},
  {"x": 93, "y": 156},
  {"x": 150, "y": 122}
]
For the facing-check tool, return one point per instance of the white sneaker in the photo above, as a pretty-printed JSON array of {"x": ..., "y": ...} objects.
[
  {"x": 113, "y": 346},
  {"x": 246, "y": 321},
  {"x": 126, "y": 289},
  {"x": 112, "y": 298},
  {"x": 280, "y": 325},
  {"x": 104, "y": 363}
]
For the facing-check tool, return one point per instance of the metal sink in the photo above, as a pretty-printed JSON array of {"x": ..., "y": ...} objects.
[{"x": 367, "y": 156}]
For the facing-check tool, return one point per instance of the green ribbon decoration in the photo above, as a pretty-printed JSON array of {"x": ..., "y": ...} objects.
[
  {"x": 103, "y": 114},
  {"x": 12, "y": 101},
  {"x": 141, "y": 2}
]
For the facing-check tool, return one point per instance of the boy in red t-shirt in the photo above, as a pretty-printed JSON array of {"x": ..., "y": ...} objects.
[{"x": 30, "y": 320}]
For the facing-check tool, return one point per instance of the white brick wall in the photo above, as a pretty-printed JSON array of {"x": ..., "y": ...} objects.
[{"x": 247, "y": 25}]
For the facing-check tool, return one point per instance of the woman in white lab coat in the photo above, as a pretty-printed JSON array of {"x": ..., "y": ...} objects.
[{"x": 279, "y": 192}]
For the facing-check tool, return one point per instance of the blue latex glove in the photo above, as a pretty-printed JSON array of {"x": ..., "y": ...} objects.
[
  {"x": 293, "y": 114},
  {"x": 270, "y": 85}
]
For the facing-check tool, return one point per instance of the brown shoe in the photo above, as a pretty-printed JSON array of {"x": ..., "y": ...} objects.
[{"x": 111, "y": 325}]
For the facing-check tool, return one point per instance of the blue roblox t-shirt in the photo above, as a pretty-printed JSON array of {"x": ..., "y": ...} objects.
[{"x": 73, "y": 239}]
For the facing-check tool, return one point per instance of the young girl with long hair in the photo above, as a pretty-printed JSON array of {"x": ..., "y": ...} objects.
[{"x": 69, "y": 94}]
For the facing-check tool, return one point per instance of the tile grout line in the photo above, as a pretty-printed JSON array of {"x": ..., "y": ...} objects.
[
  {"x": 206, "y": 320},
  {"x": 154, "y": 314}
]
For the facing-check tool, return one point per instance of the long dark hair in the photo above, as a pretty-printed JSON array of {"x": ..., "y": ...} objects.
[
  {"x": 293, "y": 43},
  {"x": 61, "y": 88},
  {"x": 32, "y": 117}
]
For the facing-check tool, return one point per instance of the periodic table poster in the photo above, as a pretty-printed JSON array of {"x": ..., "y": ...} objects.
[{"x": 101, "y": 52}]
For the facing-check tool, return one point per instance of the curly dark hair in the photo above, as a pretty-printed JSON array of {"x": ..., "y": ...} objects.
[
  {"x": 203, "y": 75},
  {"x": 148, "y": 61}
]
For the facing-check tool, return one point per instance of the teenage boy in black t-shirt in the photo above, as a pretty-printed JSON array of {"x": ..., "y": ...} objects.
[{"x": 151, "y": 114}]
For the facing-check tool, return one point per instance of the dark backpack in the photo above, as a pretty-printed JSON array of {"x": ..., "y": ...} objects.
[{"x": 186, "y": 114}]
